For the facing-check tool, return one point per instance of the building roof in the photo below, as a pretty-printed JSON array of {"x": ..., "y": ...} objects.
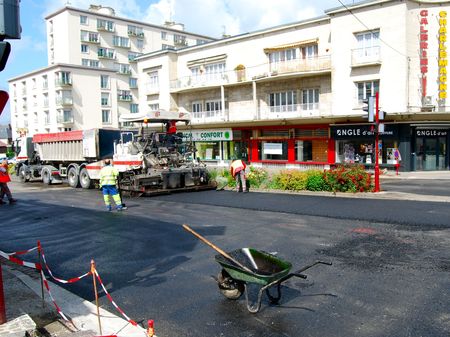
[{"x": 86, "y": 11}]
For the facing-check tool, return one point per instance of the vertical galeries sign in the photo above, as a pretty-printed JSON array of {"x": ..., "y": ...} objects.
[
  {"x": 442, "y": 57},
  {"x": 424, "y": 49}
]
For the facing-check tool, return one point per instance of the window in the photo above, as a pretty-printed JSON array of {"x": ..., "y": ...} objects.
[
  {"x": 89, "y": 36},
  {"x": 140, "y": 43},
  {"x": 153, "y": 79},
  {"x": 132, "y": 55},
  {"x": 179, "y": 40},
  {"x": 164, "y": 36},
  {"x": 105, "y": 25},
  {"x": 124, "y": 95},
  {"x": 197, "y": 109},
  {"x": 200, "y": 41},
  {"x": 209, "y": 72},
  {"x": 368, "y": 44},
  {"x": 310, "y": 99},
  {"x": 105, "y": 99},
  {"x": 135, "y": 31},
  {"x": 65, "y": 116},
  {"x": 84, "y": 48},
  {"x": 283, "y": 101},
  {"x": 106, "y": 53},
  {"x": 83, "y": 20},
  {"x": 273, "y": 150},
  {"x": 133, "y": 82},
  {"x": 104, "y": 81},
  {"x": 366, "y": 89},
  {"x": 303, "y": 150},
  {"x": 106, "y": 116},
  {"x": 213, "y": 108},
  {"x": 63, "y": 78},
  {"x": 124, "y": 69},
  {"x": 46, "y": 117},
  {"x": 120, "y": 41},
  {"x": 154, "y": 106},
  {"x": 90, "y": 63},
  {"x": 134, "y": 108},
  {"x": 309, "y": 51},
  {"x": 282, "y": 55}
]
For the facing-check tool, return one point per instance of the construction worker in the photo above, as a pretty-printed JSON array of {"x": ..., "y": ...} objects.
[
  {"x": 108, "y": 184},
  {"x": 4, "y": 180},
  {"x": 237, "y": 170}
]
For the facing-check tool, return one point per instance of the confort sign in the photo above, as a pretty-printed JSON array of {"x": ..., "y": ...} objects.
[{"x": 208, "y": 135}]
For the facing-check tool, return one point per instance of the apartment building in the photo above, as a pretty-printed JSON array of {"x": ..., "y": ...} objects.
[
  {"x": 91, "y": 77},
  {"x": 293, "y": 95}
]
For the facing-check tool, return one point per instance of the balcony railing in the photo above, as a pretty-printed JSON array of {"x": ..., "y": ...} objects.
[
  {"x": 366, "y": 56},
  {"x": 63, "y": 82},
  {"x": 256, "y": 73},
  {"x": 64, "y": 101},
  {"x": 209, "y": 116},
  {"x": 125, "y": 98},
  {"x": 68, "y": 119},
  {"x": 290, "y": 111}
]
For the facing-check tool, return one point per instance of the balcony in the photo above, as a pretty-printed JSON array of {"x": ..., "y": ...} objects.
[
  {"x": 135, "y": 33},
  {"x": 106, "y": 55},
  {"x": 204, "y": 117},
  {"x": 64, "y": 101},
  {"x": 91, "y": 39},
  {"x": 366, "y": 56},
  {"x": 66, "y": 119},
  {"x": 124, "y": 98},
  {"x": 63, "y": 82},
  {"x": 291, "y": 111},
  {"x": 264, "y": 72}
]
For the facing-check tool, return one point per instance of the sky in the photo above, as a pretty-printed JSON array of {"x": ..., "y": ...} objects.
[{"x": 207, "y": 17}]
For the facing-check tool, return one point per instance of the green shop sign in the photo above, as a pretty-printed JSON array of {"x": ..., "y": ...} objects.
[{"x": 208, "y": 135}]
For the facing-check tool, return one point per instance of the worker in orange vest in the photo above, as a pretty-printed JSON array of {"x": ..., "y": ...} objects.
[
  {"x": 4, "y": 180},
  {"x": 237, "y": 170}
]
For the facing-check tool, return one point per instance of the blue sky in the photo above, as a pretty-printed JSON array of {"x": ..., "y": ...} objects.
[{"x": 207, "y": 17}]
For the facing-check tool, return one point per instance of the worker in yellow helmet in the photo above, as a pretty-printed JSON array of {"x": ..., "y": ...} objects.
[{"x": 108, "y": 184}]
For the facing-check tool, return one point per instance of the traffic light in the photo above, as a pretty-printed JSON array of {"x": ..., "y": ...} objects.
[
  {"x": 369, "y": 107},
  {"x": 5, "y": 49},
  {"x": 9, "y": 19}
]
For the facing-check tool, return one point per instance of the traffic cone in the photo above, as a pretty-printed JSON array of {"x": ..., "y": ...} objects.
[{"x": 150, "y": 329}]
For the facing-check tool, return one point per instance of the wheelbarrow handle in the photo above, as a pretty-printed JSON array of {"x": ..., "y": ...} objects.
[{"x": 312, "y": 265}]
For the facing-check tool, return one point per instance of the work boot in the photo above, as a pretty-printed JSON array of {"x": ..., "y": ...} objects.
[
  {"x": 119, "y": 208},
  {"x": 12, "y": 200},
  {"x": 109, "y": 208}
]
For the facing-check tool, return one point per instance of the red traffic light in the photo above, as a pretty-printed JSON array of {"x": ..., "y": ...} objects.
[{"x": 3, "y": 100}]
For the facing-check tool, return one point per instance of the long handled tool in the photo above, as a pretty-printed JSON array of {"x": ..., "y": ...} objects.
[{"x": 220, "y": 251}]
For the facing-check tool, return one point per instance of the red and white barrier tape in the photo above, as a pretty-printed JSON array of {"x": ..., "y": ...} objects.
[
  {"x": 72, "y": 280},
  {"x": 21, "y": 252},
  {"x": 53, "y": 300},
  {"x": 112, "y": 301},
  {"x": 10, "y": 257}
]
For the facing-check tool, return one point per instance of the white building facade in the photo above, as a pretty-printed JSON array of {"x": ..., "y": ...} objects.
[
  {"x": 292, "y": 96},
  {"x": 91, "y": 76}
]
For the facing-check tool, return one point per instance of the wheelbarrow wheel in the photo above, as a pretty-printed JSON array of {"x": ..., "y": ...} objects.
[{"x": 229, "y": 287}]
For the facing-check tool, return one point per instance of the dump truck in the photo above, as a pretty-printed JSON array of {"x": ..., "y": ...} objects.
[{"x": 55, "y": 157}]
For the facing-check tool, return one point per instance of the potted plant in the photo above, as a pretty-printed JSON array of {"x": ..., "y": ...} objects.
[{"x": 240, "y": 72}]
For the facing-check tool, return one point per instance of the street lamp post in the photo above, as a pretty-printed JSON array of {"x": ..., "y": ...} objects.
[{"x": 377, "y": 166}]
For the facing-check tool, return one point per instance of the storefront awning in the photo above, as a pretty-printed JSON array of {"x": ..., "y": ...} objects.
[{"x": 290, "y": 45}]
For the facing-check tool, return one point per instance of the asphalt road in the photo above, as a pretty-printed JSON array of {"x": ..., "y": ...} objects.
[{"x": 390, "y": 273}]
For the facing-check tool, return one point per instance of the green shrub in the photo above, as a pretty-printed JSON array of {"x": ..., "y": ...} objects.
[
  {"x": 257, "y": 177},
  {"x": 316, "y": 181},
  {"x": 291, "y": 180}
]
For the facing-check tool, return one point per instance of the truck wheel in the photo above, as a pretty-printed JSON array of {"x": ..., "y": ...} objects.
[
  {"x": 85, "y": 180},
  {"x": 23, "y": 175},
  {"x": 72, "y": 177},
  {"x": 46, "y": 175}
]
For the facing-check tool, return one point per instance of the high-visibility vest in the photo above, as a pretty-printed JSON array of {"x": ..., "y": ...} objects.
[{"x": 108, "y": 176}]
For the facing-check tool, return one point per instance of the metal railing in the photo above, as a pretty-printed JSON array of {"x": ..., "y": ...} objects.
[
  {"x": 209, "y": 116},
  {"x": 254, "y": 73},
  {"x": 361, "y": 56}
]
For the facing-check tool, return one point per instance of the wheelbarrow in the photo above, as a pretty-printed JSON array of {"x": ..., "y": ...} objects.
[{"x": 246, "y": 266}]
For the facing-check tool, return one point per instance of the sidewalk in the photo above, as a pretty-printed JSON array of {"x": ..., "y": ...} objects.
[
  {"x": 26, "y": 313},
  {"x": 435, "y": 175}
]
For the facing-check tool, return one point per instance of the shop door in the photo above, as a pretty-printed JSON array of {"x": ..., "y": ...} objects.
[{"x": 431, "y": 153}]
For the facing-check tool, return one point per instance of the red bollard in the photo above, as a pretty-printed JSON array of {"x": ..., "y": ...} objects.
[{"x": 2, "y": 299}]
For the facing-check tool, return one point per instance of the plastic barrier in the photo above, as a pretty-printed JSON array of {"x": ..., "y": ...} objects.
[{"x": 38, "y": 266}]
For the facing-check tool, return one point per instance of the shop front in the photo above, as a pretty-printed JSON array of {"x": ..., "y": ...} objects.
[
  {"x": 356, "y": 144},
  {"x": 430, "y": 148},
  {"x": 211, "y": 145}
]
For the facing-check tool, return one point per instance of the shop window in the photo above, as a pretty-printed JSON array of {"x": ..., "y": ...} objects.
[
  {"x": 273, "y": 150},
  {"x": 363, "y": 152},
  {"x": 303, "y": 150},
  {"x": 208, "y": 150}
]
